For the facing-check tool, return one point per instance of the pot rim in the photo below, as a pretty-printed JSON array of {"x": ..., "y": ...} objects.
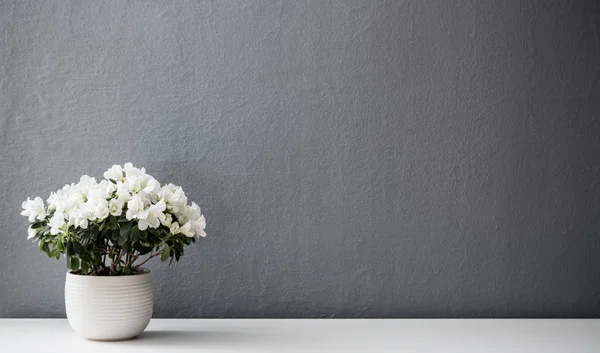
[{"x": 144, "y": 272}]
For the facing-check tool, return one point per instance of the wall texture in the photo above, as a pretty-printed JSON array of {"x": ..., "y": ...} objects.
[{"x": 353, "y": 158}]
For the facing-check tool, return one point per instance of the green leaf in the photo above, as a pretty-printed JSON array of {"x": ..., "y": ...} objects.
[
  {"x": 113, "y": 223},
  {"x": 37, "y": 236},
  {"x": 85, "y": 239},
  {"x": 39, "y": 224},
  {"x": 125, "y": 228},
  {"x": 115, "y": 235},
  {"x": 45, "y": 231},
  {"x": 134, "y": 235},
  {"x": 141, "y": 248},
  {"x": 86, "y": 256},
  {"x": 45, "y": 248},
  {"x": 85, "y": 267},
  {"x": 165, "y": 254},
  {"x": 97, "y": 261},
  {"x": 94, "y": 234},
  {"x": 74, "y": 264},
  {"x": 179, "y": 246},
  {"x": 122, "y": 240},
  {"x": 78, "y": 248},
  {"x": 153, "y": 231}
]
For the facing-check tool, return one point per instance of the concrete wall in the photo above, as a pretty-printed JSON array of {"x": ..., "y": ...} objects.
[{"x": 353, "y": 158}]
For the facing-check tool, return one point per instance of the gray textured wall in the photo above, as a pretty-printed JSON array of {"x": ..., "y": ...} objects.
[{"x": 353, "y": 158}]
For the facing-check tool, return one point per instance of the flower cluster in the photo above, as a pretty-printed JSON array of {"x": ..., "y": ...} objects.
[
  {"x": 124, "y": 216},
  {"x": 126, "y": 190}
]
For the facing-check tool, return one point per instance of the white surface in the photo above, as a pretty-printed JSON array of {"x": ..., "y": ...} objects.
[
  {"x": 108, "y": 307},
  {"x": 307, "y": 335}
]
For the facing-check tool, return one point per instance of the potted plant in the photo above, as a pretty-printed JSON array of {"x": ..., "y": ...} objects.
[{"x": 107, "y": 231}]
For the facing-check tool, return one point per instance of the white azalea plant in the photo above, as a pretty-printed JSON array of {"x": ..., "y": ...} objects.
[{"x": 113, "y": 227}]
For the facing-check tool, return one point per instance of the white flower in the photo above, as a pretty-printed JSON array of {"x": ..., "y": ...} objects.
[
  {"x": 130, "y": 170},
  {"x": 34, "y": 209},
  {"x": 56, "y": 200},
  {"x": 167, "y": 221},
  {"x": 174, "y": 197},
  {"x": 81, "y": 223},
  {"x": 189, "y": 213},
  {"x": 79, "y": 216},
  {"x": 101, "y": 210},
  {"x": 57, "y": 222},
  {"x": 198, "y": 226},
  {"x": 88, "y": 209},
  {"x": 115, "y": 173},
  {"x": 107, "y": 188},
  {"x": 193, "y": 215},
  {"x": 151, "y": 188},
  {"x": 86, "y": 203},
  {"x": 123, "y": 194},
  {"x": 155, "y": 216},
  {"x": 67, "y": 199},
  {"x": 135, "y": 208},
  {"x": 31, "y": 233},
  {"x": 85, "y": 182},
  {"x": 94, "y": 195},
  {"x": 156, "y": 211},
  {"x": 136, "y": 183},
  {"x": 85, "y": 213},
  {"x": 193, "y": 212},
  {"x": 192, "y": 219},
  {"x": 187, "y": 230},
  {"x": 115, "y": 207},
  {"x": 174, "y": 228}
]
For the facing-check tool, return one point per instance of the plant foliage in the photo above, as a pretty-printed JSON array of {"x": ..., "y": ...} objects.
[{"x": 115, "y": 226}]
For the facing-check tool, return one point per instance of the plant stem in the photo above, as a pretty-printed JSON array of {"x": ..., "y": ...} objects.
[
  {"x": 115, "y": 260},
  {"x": 130, "y": 258},
  {"x": 148, "y": 259}
]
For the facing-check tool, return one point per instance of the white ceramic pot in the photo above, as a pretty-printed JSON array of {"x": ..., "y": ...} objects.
[{"x": 108, "y": 308}]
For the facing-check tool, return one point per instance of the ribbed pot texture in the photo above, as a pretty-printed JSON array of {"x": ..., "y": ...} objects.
[{"x": 108, "y": 308}]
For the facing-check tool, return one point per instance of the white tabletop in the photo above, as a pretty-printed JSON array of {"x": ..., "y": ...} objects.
[{"x": 310, "y": 335}]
